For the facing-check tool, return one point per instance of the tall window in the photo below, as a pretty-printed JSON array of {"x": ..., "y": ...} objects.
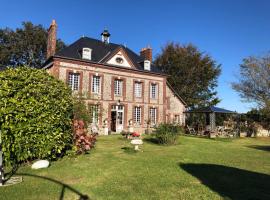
[
  {"x": 94, "y": 113},
  {"x": 177, "y": 119},
  {"x": 137, "y": 115},
  {"x": 153, "y": 115},
  {"x": 74, "y": 81},
  {"x": 138, "y": 89},
  {"x": 96, "y": 84},
  {"x": 118, "y": 87},
  {"x": 153, "y": 91}
]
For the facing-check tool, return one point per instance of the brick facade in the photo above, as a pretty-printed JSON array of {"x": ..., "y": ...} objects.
[{"x": 166, "y": 103}]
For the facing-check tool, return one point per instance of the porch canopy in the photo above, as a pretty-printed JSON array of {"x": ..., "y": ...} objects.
[{"x": 210, "y": 112}]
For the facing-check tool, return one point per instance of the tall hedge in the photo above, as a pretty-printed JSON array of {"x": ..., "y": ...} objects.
[{"x": 35, "y": 115}]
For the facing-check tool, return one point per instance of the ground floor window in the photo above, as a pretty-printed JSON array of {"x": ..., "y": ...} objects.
[
  {"x": 177, "y": 119},
  {"x": 137, "y": 115},
  {"x": 153, "y": 115},
  {"x": 94, "y": 113}
]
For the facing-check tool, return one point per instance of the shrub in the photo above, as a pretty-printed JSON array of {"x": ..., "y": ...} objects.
[
  {"x": 167, "y": 133},
  {"x": 82, "y": 139},
  {"x": 80, "y": 110},
  {"x": 35, "y": 115}
]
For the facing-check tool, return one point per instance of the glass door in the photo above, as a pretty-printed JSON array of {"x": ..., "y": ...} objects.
[{"x": 117, "y": 118}]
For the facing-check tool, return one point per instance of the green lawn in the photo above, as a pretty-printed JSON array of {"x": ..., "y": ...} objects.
[{"x": 196, "y": 168}]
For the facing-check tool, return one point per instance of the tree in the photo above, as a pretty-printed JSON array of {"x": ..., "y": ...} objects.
[
  {"x": 35, "y": 115},
  {"x": 254, "y": 81},
  {"x": 24, "y": 46},
  {"x": 192, "y": 74}
]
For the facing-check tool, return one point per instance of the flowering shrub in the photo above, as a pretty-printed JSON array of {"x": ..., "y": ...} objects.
[
  {"x": 82, "y": 139},
  {"x": 136, "y": 134}
]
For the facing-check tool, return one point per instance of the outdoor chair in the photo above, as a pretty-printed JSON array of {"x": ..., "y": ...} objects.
[{"x": 191, "y": 130}]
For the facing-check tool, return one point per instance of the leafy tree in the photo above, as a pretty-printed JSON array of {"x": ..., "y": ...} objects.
[
  {"x": 24, "y": 46},
  {"x": 35, "y": 115},
  {"x": 192, "y": 73},
  {"x": 254, "y": 81}
]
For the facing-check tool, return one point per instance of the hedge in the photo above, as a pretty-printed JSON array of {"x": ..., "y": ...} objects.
[{"x": 35, "y": 115}]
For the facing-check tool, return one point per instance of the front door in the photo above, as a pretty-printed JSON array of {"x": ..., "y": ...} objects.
[
  {"x": 113, "y": 121},
  {"x": 117, "y": 118}
]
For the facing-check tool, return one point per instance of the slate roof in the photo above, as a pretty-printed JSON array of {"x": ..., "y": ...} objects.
[
  {"x": 101, "y": 51},
  {"x": 210, "y": 109}
]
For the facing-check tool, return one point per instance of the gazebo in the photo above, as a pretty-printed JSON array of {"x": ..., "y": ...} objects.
[{"x": 210, "y": 112}]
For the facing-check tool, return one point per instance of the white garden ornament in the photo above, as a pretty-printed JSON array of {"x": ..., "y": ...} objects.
[
  {"x": 40, "y": 164},
  {"x": 136, "y": 142}
]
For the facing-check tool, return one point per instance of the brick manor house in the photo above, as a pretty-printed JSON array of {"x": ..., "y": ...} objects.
[{"x": 122, "y": 89}]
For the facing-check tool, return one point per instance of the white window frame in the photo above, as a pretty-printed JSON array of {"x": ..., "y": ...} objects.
[
  {"x": 137, "y": 115},
  {"x": 153, "y": 115},
  {"x": 138, "y": 89},
  {"x": 96, "y": 82},
  {"x": 118, "y": 87},
  {"x": 94, "y": 110},
  {"x": 74, "y": 81},
  {"x": 153, "y": 90}
]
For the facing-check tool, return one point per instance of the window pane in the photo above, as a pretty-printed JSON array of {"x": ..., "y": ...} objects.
[
  {"x": 138, "y": 89},
  {"x": 153, "y": 115},
  {"x": 73, "y": 81},
  {"x": 153, "y": 91},
  {"x": 94, "y": 113},
  {"x": 137, "y": 115},
  {"x": 118, "y": 87},
  {"x": 96, "y": 84}
]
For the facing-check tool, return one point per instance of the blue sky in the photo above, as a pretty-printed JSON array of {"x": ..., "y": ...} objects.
[{"x": 228, "y": 30}]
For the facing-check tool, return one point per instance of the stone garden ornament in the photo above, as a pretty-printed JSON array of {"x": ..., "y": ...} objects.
[
  {"x": 40, "y": 164},
  {"x": 136, "y": 143}
]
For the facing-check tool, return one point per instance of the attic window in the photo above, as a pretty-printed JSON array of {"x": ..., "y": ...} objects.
[
  {"x": 87, "y": 53},
  {"x": 147, "y": 65},
  {"x": 119, "y": 60}
]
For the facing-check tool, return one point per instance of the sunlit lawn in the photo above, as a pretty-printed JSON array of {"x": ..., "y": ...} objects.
[{"x": 196, "y": 168}]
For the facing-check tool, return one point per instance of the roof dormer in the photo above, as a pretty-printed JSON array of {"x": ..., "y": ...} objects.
[
  {"x": 87, "y": 53},
  {"x": 147, "y": 65}
]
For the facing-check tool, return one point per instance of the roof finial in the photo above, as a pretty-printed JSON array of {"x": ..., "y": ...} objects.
[{"x": 105, "y": 36}]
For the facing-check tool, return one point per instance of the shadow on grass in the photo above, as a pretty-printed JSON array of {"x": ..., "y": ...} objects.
[
  {"x": 9, "y": 174},
  {"x": 151, "y": 140},
  {"x": 232, "y": 183},
  {"x": 64, "y": 186},
  {"x": 129, "y": 150},
  {"x": 260, "y": 147}
]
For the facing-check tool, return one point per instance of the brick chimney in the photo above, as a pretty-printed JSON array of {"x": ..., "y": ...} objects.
[
  {"x": 146, "y": 53},
  {"x": 51, "y": 41}
]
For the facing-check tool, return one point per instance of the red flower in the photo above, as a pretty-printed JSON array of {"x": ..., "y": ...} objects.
[{"x": 136, "y": 134}]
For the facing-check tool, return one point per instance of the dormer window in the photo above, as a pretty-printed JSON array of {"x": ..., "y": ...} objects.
[
  {"x": 119, "y": 60},
  {"x": 147, "y": 65},
  {"x": 87, "y": 53}
]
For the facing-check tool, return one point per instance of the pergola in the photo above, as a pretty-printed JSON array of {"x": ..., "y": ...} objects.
[{"x": 211, "y": 114}]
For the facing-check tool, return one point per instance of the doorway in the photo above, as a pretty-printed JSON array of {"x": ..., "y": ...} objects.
[
  {"x": 117, "y": 118},
  {"x": 113, "y": 121}
]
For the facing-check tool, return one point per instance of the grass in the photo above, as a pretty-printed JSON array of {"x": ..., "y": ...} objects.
[{"x": 196, "y": 168}]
